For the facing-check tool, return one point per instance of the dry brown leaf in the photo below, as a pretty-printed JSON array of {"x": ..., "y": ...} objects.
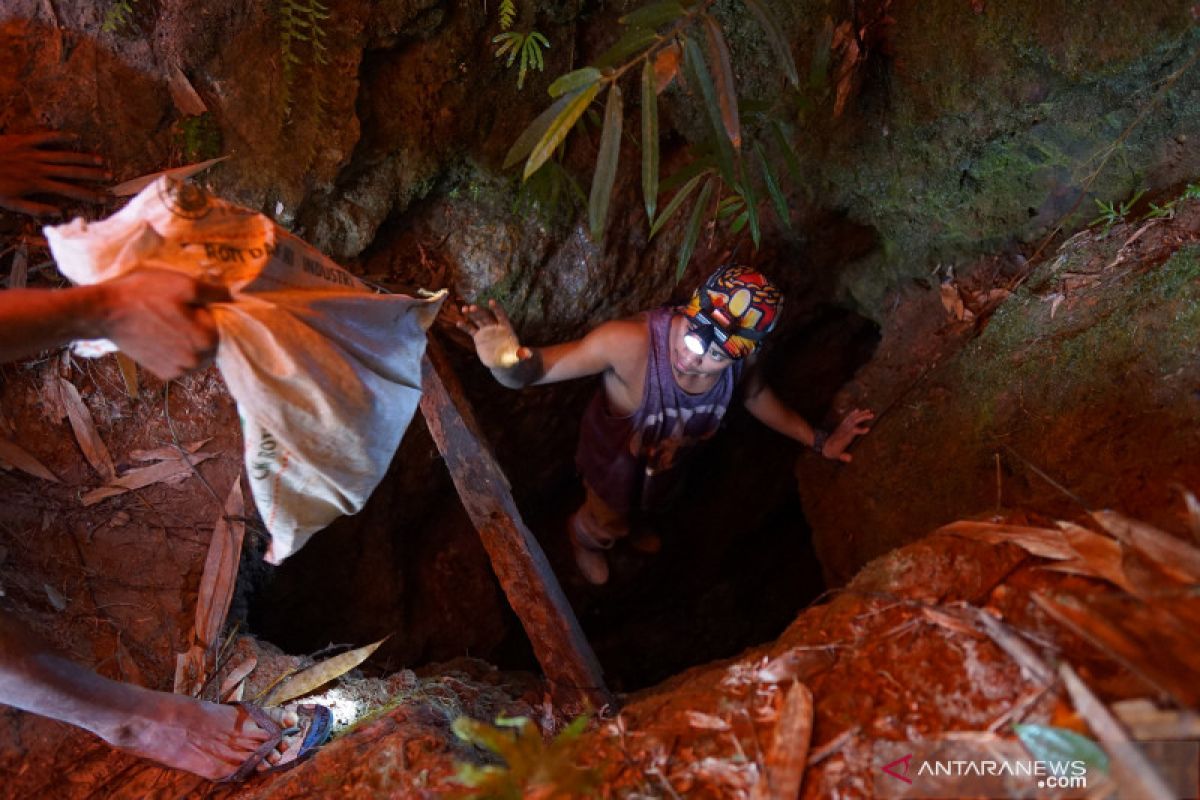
[
  {"x": 1044, "y": 542},
  {"x": 666, "y": 66},
  {"x": 1145, "y": 720},
  {"x": 12, "y": 454},
  {"x": 93, "y": 447},
  {"x": 706, "y": 722},
  {"x": 189, "y": 671},
  {"x": 952, "y": 301},
  {"x": 1174, "y": 555},
  {"x": 951, "y": 621},
  {"x": 221, "y": 568},
  {"x": 718, "y": 50},
  {"x": 135, "y": 185},
  {"x": 1031, "y": 664},
  {"x": 129, "y": 374},
  {"x": 1193, "y": 508},
  {"x": 127, "y": 667},
  {"x": 51, "y": 394},
  {"x": 788, "y": 753},
  {"x": 236, "y": 677},
  {"x": 795, "y": 664},
  {"x": 320, "y": 674},
  {"x": 183, "y": 94},
  {"x": 19, "y": 275},
  {"x": 1134, "y": 775},
  {"x": 1099, "y": 556},
  {"x": 163, "y": 472},
  {"x": 1139, "y": 651},
  {"x": 168, "y": 453}
]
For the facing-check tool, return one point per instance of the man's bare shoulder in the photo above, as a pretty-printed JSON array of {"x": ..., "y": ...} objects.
[{"x": 625, "y": 343}]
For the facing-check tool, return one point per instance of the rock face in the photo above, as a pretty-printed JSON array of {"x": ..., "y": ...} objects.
[{"x": 1080, "y": 390}]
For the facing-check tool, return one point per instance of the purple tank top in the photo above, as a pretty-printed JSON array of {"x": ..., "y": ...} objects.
[{"x": 630, "y": 461}]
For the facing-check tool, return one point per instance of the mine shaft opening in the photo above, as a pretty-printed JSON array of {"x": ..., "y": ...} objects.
[{"x": 736, "y": 565}]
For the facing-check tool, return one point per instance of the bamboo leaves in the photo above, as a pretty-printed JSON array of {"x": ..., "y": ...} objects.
[
  {"x": 692, "y": 234},
  {"x": 527, "y": 46},
  {"x": 718, "y": 49},
  {"x": 775, "y": 38},
  {"x": 606, "y": 163},
  {"x": 578, "y": 79},
  {"x": 697, "y": 74},
  {"x": 570, "y": 108},
  {"x": 649, "y": 139}
]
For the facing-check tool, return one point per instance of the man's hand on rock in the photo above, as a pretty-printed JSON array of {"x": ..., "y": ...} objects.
[
  {"x": 496, "y": 342},
  {"x": 26, "y": 168},
  {"x": 851, "y": 427}
]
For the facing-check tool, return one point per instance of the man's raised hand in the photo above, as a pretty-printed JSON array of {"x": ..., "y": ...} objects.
[
  {"x": 496, "y": 342},
  {"x": 26, "y": 169}
]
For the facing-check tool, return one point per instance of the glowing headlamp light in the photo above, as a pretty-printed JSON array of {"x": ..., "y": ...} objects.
[{"x": 698, "y": 339}]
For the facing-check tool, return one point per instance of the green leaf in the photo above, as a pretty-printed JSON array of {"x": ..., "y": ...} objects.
[
  {"x": 789, "y": 153},
  {"x": 654, "y": 15},
  {"x": 698, "y": 77},
  {"x": 649, "y": 141},
  {"x": 632, "y": 41},
  {"x": 1056, "y": 745},
  {"x": 740, "y": 222},
  {"x": 606, "y": 163},
  {"x": 729, "y": 206},
  {"x": 692, "y": 234},
  {"x": 777, "y": 198},
  {"x": 574, "y": 80},
  {"x": 775, "y": 38},
  {"x": 818, "y": 67},
  {"x": 687, "y": 172},
  {"x": 675, "y": 203},
  {"x": 574, "y": 730},
  {"x": 560, "y": 127},
  {"x": 524, "y": 144},
  {"x": 718, "y": 49}
]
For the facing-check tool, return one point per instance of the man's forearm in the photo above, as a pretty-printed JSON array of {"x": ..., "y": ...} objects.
[
  {"x": 526, "y": 372},
  {"x": 40, "y": 319}
]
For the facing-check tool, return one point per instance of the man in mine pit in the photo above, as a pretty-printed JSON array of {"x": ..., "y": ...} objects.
[{"x": 668, "y": 377}]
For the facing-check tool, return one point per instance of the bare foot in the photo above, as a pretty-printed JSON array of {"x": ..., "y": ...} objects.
[{"x": 203, "y": 738}]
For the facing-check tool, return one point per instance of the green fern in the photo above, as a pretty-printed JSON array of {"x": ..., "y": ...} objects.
[
  {"x": 508, "y": 13},
  {"x": 301, "y": 27},
  {"x": 533, "y": 767},
  {"x": 118, "y": 16},
  {"x": 524, "y": 46}
]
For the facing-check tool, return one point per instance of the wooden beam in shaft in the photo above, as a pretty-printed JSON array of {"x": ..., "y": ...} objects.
[{"x": 525, "y": 575}]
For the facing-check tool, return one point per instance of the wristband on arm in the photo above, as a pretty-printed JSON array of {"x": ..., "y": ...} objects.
[{"x": 819, "y": 439}]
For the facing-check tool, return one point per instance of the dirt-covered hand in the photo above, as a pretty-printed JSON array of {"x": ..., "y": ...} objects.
[
  {"x": 851, "y": 427},
  {"x": 160, "y": 320},
  {"x": 28, "y": 169},
  {"x": 496, "y": 342}
]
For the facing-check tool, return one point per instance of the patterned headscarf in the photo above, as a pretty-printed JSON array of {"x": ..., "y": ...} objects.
[{"x": 740, "y": 306}]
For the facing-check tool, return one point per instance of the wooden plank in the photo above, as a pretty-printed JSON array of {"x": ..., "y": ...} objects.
[{"x": 524, "y": 572}]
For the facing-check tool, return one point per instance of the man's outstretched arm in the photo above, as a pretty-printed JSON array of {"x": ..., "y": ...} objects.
[
  {"x": 156, "y": 317},
  {"x": 766, "y": 406},
  {"x": 516, "y": 366}
]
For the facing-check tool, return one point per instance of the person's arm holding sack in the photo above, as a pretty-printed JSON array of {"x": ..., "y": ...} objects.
[{"x": 156, "y": 317}]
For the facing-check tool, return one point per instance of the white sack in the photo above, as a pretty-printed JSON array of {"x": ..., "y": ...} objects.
[{"x": 326, "y": 373}]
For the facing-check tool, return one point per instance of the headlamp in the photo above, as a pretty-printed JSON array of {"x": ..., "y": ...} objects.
[{"x": 698, "y": 338}]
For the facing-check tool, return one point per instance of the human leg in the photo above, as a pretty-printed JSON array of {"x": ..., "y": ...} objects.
[
  {"x": 594, "y": 528},
  {"x": 206, "y": 739}
]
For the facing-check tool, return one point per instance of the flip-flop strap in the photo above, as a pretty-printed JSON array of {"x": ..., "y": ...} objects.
[{"x": 275, "y": 736}]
